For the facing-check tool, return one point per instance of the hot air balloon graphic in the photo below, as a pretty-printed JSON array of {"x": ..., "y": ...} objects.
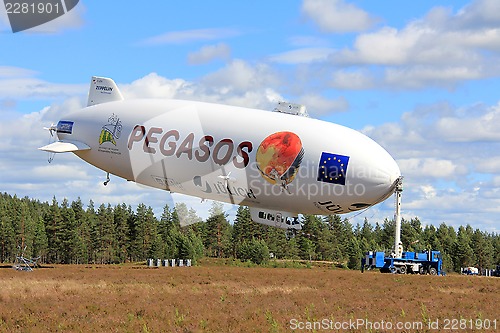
[{"x": 279, "y": 156}]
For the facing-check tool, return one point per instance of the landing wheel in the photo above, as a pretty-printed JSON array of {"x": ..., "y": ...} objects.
[
  {"x": 402, "y": 270},
  {"x": 432, "y": 271}
]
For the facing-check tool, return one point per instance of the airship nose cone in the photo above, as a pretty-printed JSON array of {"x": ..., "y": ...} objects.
[
  {"x": 376, "y": 171},
  {"x": 385, "y": 175}
]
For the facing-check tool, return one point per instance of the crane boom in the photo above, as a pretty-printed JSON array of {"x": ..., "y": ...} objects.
[{"x": 398, "y": 246}]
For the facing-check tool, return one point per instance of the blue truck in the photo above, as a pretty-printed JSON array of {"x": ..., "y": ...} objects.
[{"x": 426, "y": 262}]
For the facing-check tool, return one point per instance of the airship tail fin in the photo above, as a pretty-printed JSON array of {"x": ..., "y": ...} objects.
[{"x": 103, "y": 90}]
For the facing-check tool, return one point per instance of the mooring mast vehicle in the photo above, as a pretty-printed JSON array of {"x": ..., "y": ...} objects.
[{"x": 399, "y": 261}]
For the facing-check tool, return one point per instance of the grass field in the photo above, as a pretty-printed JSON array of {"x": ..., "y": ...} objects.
[{"x": 215, "y": 298}]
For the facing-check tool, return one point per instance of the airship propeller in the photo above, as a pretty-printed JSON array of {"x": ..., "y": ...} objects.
[{"x": 227, "y": 178}]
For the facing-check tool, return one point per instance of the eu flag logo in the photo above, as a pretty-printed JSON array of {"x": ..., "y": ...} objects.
[{"x": 332, "y": 168}]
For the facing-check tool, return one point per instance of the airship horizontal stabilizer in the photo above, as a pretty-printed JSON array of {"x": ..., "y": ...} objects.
[{"x": 65, "y": 146}]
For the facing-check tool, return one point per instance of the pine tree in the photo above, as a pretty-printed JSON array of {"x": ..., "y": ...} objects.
[
  {"x": 411, "y": 232},
  {"x": 40, "y": 241},
  {"x": 378, "y": 237},
  {"x": 90, "y": 233},
  {"x": 496, "y": 249},
  {"x": 306, "y": 248},
  {"x": 24, "y": 225},
  {"x": 291, "y": 249},
  {"x": 181, "y": 215},
  {"x": 169, "y": 229},
  {"x": 482, "y": 249},
  {"x": 68, "y": 232},
  {"x": 367, "y": 241},
  {"x": 105, "y": 230},
  {"x": 430, "y": 239},
  {"x": 7, "y": 239},
  {"x": 190, "y": 246},
  {"x": 277, "y": 242},
  {"x": 353, "y": 253},
  {"x": 121, "y": 216},
  {"x": 462, "y": 256},
  {"x": 53, "y": 227},
  {"x": 244, "y": 228},
  {"x": 388, "y": 231},
  {"x": 146, "y": 235},
  {"x": 79, "y": 245},
  {"x": 218, "y": 236},
  {"x": 253, "y": 250}
]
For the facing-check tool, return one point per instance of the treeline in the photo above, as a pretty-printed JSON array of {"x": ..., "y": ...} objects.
[{"x": 71, "y": 233}]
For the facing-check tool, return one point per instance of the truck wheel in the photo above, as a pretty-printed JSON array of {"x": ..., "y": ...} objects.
[
  {"x": 393, "y": 270},
  {"x": 402, "y": 270},
  {"x": 421, "y": 270},
  {"x": 432, "y": 271}
]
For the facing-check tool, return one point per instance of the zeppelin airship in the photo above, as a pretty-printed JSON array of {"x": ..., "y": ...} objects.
[{"x": 280, "y": 163}]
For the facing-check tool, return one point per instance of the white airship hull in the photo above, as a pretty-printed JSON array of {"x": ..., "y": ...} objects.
[{"x": 266, "y": 160}]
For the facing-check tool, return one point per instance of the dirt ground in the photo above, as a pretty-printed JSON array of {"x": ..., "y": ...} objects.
[{"x": 208, "y": 298}]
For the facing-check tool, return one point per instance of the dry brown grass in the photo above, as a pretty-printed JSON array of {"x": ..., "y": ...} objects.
[{"x": 231, "y": 299}]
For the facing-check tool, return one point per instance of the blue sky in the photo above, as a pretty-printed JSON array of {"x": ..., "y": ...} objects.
[{"x": 421, "y": 78}]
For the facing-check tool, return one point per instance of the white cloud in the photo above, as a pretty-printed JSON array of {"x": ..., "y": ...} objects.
[
  {"x": 424, "y": 76},
  {"x": 337, "y": 15},
  {"x": 59, "y": 172},
  {"x": 302, "y": 56},
  {"x": 448, "y": 158},
  {"x": 24, "y": 124},
  {"x": 189, "y": 36},
  {"x": 386, "y": 46},
  {"x": 428, "y": 191},
  {"x": 426, "y": 168},
  {"x": 417, "y": 43},
  {"x": 490, "y": 165},
  {"x": 16, "y": 82},
  {"x": 4, "y": 19},
  {"x": 237, "y": 83},
  {"x": 209, "y": 53},
  {"x": 482, "y": 13},
  {"x": 155, "y": 86},
  {"x": 352, "y": 80},
  {"x": 442, "y": 48},
  {"x": 239, "y": 77},
  {"x": 477, "y": 128},
  {"x": 38, "y": 89},
  {"x": 9, "y": 71},
  {"x": 432, "y": 129},
  {"x": 318, "y": 105}
]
